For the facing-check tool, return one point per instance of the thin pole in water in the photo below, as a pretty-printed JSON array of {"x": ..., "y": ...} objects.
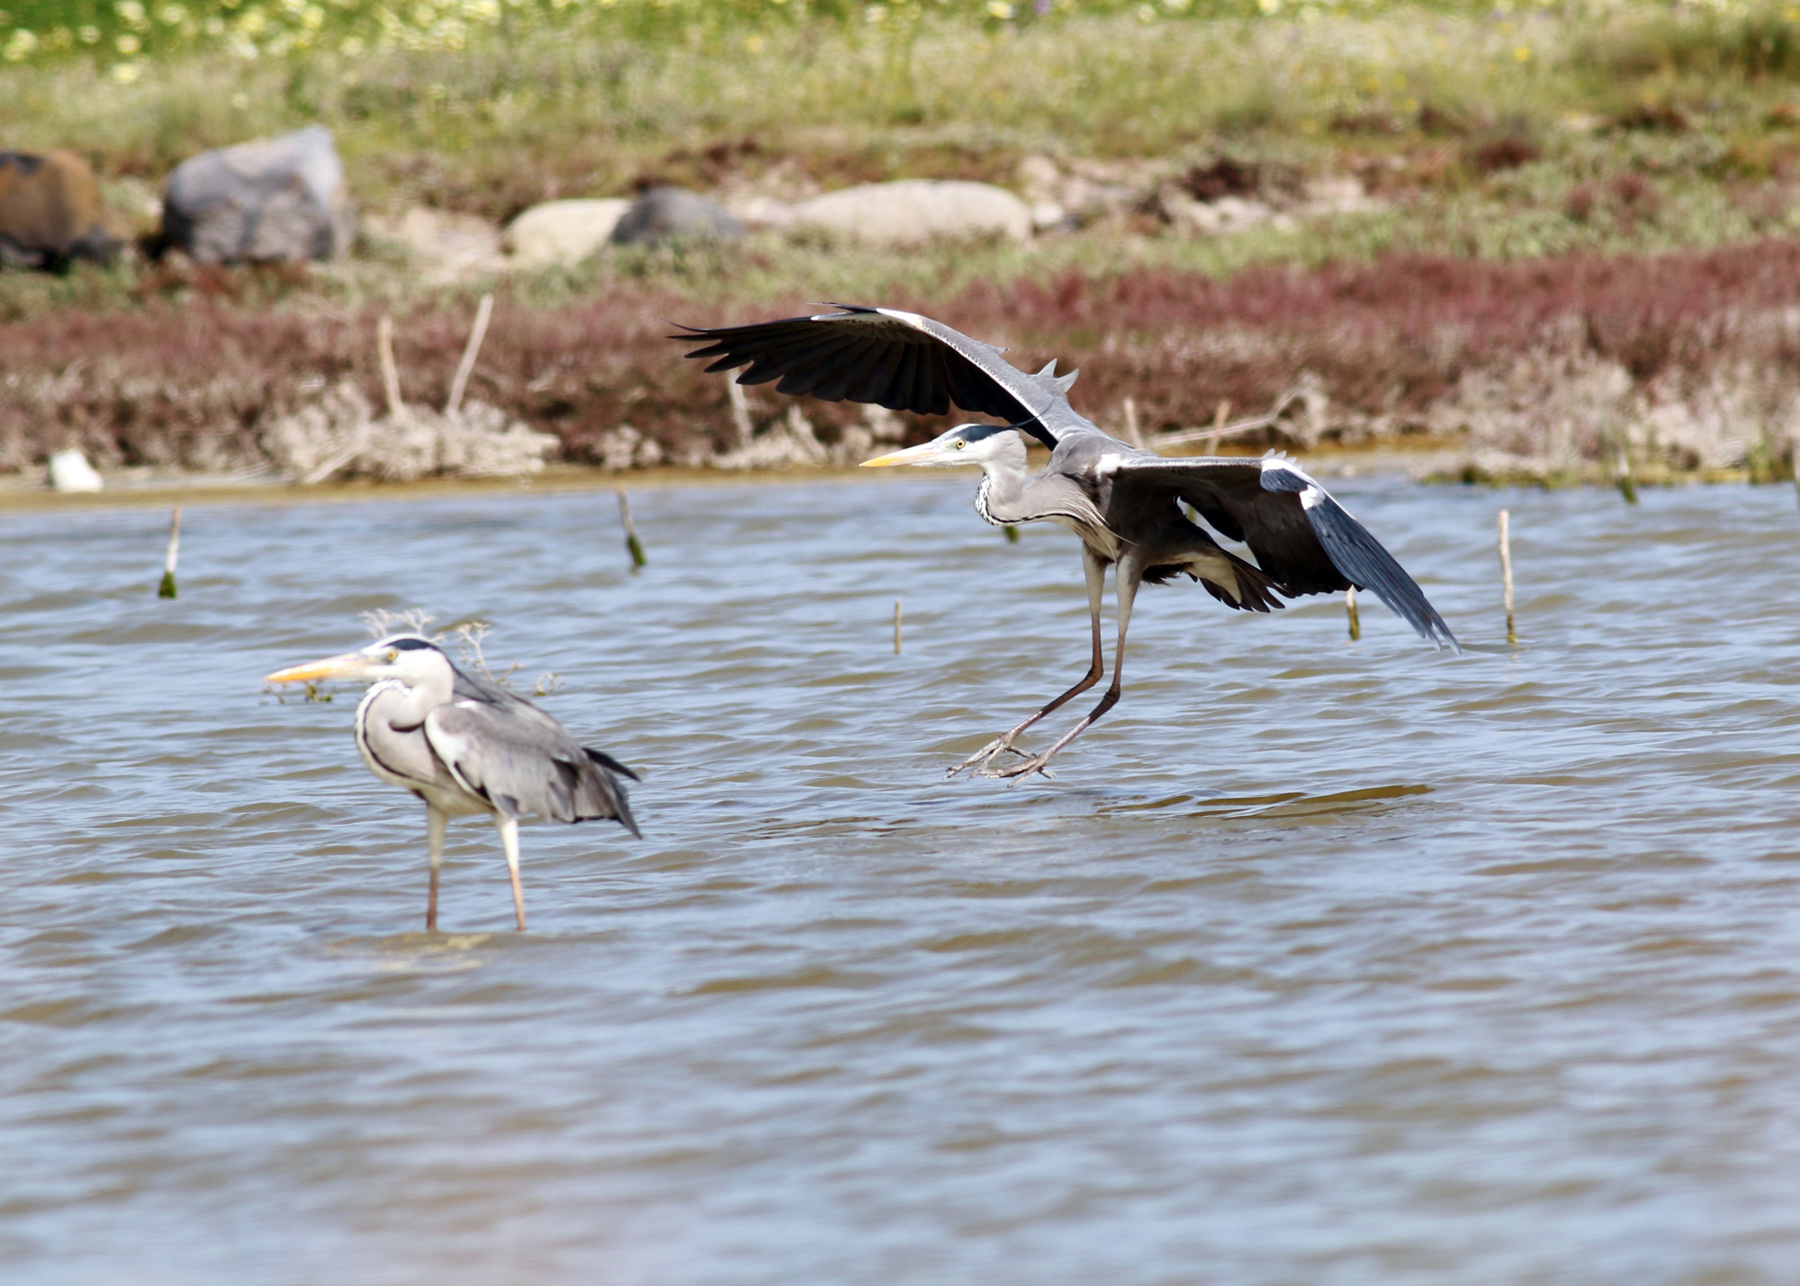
[
  {"x": 1350, "y": 607},
  {"x": 466, "y": 367},
  {"x": 167, "y": 588},
  {"x": 1512, "y": 635},
  {"x": 896, "y": 627},
  {"x": 633, "y": 545}
]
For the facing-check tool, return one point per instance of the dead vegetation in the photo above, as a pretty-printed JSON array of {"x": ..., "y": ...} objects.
[{"x": 1686, "y": 361}]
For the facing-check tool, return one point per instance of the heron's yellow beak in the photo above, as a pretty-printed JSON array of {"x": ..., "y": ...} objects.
[
  {"x": 912, "y": 455},
  {"x": 351, "y": 665}
]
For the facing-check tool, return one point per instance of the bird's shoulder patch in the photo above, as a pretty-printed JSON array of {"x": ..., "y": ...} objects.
[
  {"x": 915, "y": 320},
  {"x": 1281, "y": 474}
]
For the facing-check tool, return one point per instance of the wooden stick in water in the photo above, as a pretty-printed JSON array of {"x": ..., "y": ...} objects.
[
  {"x": 633, "y": 545},
  {"x": 390, "y": 373},
  {"x": 167, "y": 588},
  {"x": 1350, "y": 607},
  {"x": 896, "y": 627},
  {"x": 466, "y": 366},
  {"x": 1512, "y": 635}
]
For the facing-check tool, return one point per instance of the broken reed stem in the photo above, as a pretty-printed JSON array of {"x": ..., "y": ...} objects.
[
  {"x": 167, "y": 588},
  {"x": 390, "y": 373},
  {"x": 1131, "y": 422},
  {"x": 896, "y": 627},
  {"x": 1506, "y": 584},
  {"x": 1218, "y": 425},
  {"x": 466, "y": 366},
  {"x": 633, "y": 545},
  {"x": 1350, "y": 607},
  {"x": 1627, "y": 487},
  {"x": 740, "y": 410}
]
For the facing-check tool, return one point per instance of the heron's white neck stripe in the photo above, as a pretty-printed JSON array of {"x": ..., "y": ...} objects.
[{"x": 981, "y": 500}]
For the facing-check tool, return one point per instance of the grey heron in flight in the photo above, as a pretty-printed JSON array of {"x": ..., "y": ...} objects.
[
  {"x": 1126, "y": 504},
  {"x": 465, "y": 745}
]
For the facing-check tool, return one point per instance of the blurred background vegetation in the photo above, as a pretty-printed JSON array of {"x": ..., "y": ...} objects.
[
  {"x": 1506, "y": 133},
  {"x": 491, "y": 105}
]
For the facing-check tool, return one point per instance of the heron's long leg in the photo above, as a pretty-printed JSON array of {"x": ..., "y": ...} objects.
[
  {"x": 434, "y": 829},
  {"x": 509, "y": 840},
  {"x": 1125, "y": 586},
  {"x": 1096, "y": 586}
]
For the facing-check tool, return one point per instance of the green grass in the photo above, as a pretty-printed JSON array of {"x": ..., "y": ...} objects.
[
  {"x": 1639, "y": 129},
  {"x": 592, "y": 99}
]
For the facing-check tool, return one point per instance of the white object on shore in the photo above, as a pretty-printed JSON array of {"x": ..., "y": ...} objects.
[{"x": 70, "y": 471}]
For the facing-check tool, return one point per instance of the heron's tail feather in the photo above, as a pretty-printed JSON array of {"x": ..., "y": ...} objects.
[
  {"x": 602, "y": 795},
  {"x": 607, "y": 762}
]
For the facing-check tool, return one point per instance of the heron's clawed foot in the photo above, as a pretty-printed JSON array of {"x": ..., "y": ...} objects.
[
  {"x": 1019, "y": 772},
  {"x": 982, "y": 760}
]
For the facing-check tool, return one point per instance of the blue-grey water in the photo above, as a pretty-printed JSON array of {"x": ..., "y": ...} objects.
[{"x": 1320, "y": 962}]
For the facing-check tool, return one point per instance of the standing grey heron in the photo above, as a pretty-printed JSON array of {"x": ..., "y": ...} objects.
[
  {"x": 465, "y": 745},
  {"x": 1149, "y": 517}
]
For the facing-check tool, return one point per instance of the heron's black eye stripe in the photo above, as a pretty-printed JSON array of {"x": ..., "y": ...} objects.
[{"x": 408, "y": 645}]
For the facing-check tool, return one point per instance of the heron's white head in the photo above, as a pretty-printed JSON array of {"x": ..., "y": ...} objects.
[
  {"x": 985, "y": 445},
  {"x": 411, "y": 658}
]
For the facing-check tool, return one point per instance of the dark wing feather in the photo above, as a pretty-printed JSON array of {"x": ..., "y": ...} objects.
[
  {"x": 522, "y": 761},
  {"x": 908, "y": 382},
  {"x": 878, "y": 378},
  {"x": 897, "y": 359},
  {"x": 844, "y": 369},
  {"x": 1301, "y": 536}
]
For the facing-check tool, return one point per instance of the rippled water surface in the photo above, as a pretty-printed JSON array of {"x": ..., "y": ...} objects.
[{"x": 1321, "y": 961}]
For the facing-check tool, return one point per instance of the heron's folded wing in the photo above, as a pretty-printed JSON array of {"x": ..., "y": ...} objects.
[
  {"x": 1300, "y": 535},
  {"x": 525, "y": 763},
  {"x": 895, "y": 359}
]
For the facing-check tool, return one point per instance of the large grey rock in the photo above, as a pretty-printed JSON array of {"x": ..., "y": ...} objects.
[
  {"x": 272, "y": 199},
  {"x": 51, "y": 212},
  {"x": 672, "y": 214},
  {"x": 911, "y": 212},
  {"x": 560, "y": 234}
]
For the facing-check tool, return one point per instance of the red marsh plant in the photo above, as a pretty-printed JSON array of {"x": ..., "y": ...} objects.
[{"x": 1400, "y": 345}]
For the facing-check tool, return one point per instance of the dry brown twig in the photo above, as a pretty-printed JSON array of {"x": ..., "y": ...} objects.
[{"x": 1213, "y": 432}]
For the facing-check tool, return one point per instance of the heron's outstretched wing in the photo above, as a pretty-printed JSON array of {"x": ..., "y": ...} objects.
[
  {"x": 1301, "y": 536},
  {"x": 524, "y": 762},
  {"x": 895, "y": 359}
]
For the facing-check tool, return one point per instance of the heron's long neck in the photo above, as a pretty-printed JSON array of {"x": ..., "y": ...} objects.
[
  {"x": 406, "y": 704},
  {"x": 1000, "y": 497}
]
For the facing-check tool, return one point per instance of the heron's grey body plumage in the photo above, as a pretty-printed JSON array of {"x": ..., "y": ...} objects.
[
  {"x": 1125, "y": 503},
  {"x": 473, "y": 747}
]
